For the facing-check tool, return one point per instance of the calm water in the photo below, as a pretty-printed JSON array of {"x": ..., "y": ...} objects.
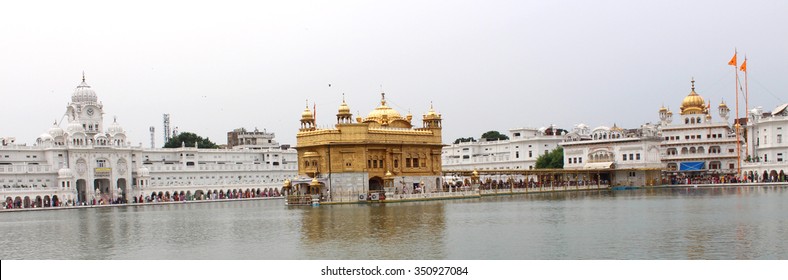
[{"x": 686, "y": 223}]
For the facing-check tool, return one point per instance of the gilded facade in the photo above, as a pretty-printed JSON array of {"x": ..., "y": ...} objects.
[{"x": 381, "y": 153}]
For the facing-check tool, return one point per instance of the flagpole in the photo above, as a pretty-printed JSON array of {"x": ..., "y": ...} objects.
[
  {"x": 746, "y": 98},
  {"x": 736, "y": 122}
]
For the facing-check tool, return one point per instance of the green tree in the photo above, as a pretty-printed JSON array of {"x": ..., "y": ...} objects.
[
  {"x": 553, "y": 159},
  {"x": 493, "y": 135},
  {"x": 468, "y": 139},
  {"x": 188, "y": 139}
]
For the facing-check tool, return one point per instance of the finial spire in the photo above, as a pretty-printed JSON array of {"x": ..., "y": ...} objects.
[
  {"x": 693, "y": 83},
  {"x": 383, "y": 98},
  {"x": 83, "y": 76},
  {"x": 343, "y": 97},
  {"x": 307, "y": 103}
]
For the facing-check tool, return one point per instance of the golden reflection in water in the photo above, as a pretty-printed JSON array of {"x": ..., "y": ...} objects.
[{"x": 375, "y": 231}]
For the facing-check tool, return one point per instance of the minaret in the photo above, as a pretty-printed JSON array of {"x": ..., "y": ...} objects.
[
  {"x": 307, "y": 119},
  {"x": 431, "y": 119},
  {"x": 343, "y": 115}
]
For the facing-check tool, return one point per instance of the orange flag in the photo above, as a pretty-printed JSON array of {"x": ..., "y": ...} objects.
[
  {"x": 733, "y": 60},
  {"x": 743, "y": 67}
]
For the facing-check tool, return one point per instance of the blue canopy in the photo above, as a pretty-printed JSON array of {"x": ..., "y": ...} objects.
[{"x": 691, "y": 166}]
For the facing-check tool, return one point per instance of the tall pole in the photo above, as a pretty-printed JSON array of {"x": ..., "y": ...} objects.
[
  {"x": 746, "y": 99},
  {"x": 736, "y": 122}
]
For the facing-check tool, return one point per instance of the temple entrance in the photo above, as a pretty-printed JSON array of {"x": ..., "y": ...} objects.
[
  {"x": 375, "y": 184},
  {"x": 122, "y": 188},
  {"x": 81, "y": 191},
  {"x": 103, "y": 187}
]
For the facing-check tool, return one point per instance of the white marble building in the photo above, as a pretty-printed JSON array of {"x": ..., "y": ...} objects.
[
  {"x": 630, "y": 156},
  {"x": 520, "y": 152},
  {"x": 767, "y": 154},
  {"x": 86, "y": 163}
]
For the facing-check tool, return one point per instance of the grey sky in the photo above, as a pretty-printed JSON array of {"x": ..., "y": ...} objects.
[{"x": 486, "y": 65}]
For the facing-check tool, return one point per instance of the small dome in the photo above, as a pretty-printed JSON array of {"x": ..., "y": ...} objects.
[
  {"x": 344, "y": 109},
  {"x": 143, "y": 172},
  {"x": 723, "y": 105},
  {"x": 307, "y": 114},
  {"x": 56, "y": 131},
  {"x": 314, "y": 182},
  {"x": 287, "y": 183},
  {"x": 45, "y": 137},
  {"x": 663, "y": 109},
  {"x": 65, "y": 173},
  {"x": 431, "y": 115},
  {"x": 83, "y": 93},
  {"x": 74, "y": 127},
  {"x": 115, "y": 128}
]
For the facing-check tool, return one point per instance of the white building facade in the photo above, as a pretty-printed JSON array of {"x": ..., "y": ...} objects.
[
  {"x": 520, "y": 152},
  {"x": 88, "y": 164},
  {"x": 768, "y": 150},
  {"x": 630, "y": 157}
]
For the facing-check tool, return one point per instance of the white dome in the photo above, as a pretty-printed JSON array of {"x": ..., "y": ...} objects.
[
  {"x": 582, "y": 125},
  {"x": 45, "y": 137},
  {"x": 56, "y": 131},
  {"x": 143, "y": 172},
  {"x": 99, "y": 136},
  {"x": 605, "y": 128},
  {"x": 115, "y": 128},
  {"x": 83, "y": 93},
  {"x": 74, "y": 127},
  {"x": 65, "y": 173}
]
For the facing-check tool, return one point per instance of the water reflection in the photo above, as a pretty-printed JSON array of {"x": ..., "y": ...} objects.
[
  {"x": 672, "y": 223},
  {"x": 377, "y": 231}
]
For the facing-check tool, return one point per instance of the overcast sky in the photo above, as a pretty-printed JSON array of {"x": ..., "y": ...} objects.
[{"x": 485, "y": 65}]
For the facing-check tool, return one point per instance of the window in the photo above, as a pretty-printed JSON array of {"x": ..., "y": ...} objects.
[
  {"x": 517, "y": 154},
  {"x": 779, "y": 138},
  {"x": 396, "y": 163},
  {"x": 581, "y": 160},
  {"x": 530, "y": 154},
  {"x": 631, "y": 157},
  {"x": 415, "y": 162},
  {"x": 624, "y": 157},
  {"x": 637, "y": 156},
  {"x": 408, "y": 162}
]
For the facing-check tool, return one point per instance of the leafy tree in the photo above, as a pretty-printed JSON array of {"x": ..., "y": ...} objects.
[
  {"x": 468, "y": 139},
  {"x": 553, "y": 159},
  {"x": 494, "y": 135},
  {"x": 188, "y": 139}
]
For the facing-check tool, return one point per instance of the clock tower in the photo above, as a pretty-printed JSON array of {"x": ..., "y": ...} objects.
[{"x": 85, "y": 109}]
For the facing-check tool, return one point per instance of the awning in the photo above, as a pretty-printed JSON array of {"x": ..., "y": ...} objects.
[
  {"x": 598, "y": 165},
  {"x": 691, "y": 166}
]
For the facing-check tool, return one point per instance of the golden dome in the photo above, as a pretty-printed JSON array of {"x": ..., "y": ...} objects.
[
  {"x": 663, "y": 109},
  {"x": 344, "y": 109},
  {"x": 383, "y": 110},
  {"x": 287, "y": 183},
  {"x": 723, "y": 105},
  {"x": 693, "y": 103},
  {"x": 431, "y": 114},
  {"x": 307, "y": 114},
  {"x": 314, "y": 182}
]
